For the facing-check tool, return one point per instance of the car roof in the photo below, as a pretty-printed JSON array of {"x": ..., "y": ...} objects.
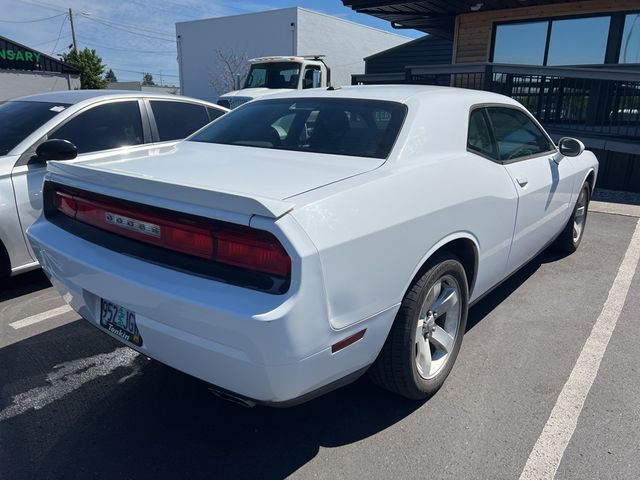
[
  {"x": 77, "y": 96},
  {"x": 394, "y": 93}
]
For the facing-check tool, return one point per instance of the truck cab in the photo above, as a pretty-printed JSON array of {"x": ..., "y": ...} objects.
[{"x": 269, "y": 75}]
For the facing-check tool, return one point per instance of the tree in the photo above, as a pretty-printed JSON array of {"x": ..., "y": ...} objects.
[
  {"x": 147, "y": 79},
  {"x": 110, "y": 76},
  {"x": 90, "y": 66},
  {"x": 228, "y": 65}
]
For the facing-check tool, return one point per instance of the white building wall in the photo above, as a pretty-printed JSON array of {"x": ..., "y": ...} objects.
[
  {"x": 17, "y": 83},
  {"x": 250, "y": 35},
  {"x": 344, "y": 43},
  {"x": 271, "y": 33}
]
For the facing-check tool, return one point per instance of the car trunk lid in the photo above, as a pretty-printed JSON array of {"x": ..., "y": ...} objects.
[{"x": 246, "y": 180}]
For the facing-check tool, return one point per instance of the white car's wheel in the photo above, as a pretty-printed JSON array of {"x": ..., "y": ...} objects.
[
  {"x": 425, "y": 338},
  {"x": 570, "y": 238},
  {"x": 5, "y": 264}
]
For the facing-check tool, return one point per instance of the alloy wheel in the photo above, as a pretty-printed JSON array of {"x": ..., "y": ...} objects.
[
  {"x": 580, "y": 216},
  {"x": 437, "y": 327}
]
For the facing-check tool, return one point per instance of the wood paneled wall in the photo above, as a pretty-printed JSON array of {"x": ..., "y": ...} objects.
[{"x": 473, "y": 42}]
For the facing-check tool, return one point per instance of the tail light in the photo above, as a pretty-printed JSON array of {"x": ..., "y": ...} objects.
[{"x": 234, "y": 245}]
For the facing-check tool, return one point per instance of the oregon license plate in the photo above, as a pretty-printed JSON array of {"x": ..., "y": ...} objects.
[{"x": 119, "y": 321}]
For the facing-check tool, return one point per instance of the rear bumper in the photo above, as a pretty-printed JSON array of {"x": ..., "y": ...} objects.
[{"x": 269, "y": 348}]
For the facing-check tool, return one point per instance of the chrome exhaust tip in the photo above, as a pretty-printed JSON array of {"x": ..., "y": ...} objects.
[{"x": 232, "y": 398}]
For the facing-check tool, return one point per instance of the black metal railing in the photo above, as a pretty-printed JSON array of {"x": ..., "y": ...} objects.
[{"x": 598, "y": 102}]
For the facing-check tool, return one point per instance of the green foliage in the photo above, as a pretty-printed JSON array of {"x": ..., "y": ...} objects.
[
  {"x": 90, "y": 66},
  {"x": 110, "y": 76},
  {"x": 147, "y": 79}
]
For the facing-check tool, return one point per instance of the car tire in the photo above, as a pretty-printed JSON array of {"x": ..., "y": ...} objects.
[
  {"x": 402, "y": 365},
  {"x": 5, "y": 265},
  {"x": 569, "y": 240}
]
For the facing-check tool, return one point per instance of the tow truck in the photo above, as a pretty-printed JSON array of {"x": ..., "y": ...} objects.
[{"x": 268, "y": 75}]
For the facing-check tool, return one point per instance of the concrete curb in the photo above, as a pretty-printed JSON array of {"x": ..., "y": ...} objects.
[
  {"x": 615, "y": 208},
  {"x": 615, "y": 202}
]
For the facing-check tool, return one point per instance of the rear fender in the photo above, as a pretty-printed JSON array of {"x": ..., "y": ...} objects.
[{"x": 439, "y": 245}]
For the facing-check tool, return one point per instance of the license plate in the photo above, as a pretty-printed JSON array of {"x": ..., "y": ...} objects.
[{"x": 119, "y": 321}]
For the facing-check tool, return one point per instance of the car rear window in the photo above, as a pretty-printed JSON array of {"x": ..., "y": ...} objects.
[
  {"x": 355, "y": 127},
  {"x": 19, "y": 119}
]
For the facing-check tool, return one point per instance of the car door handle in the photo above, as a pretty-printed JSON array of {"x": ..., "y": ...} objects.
[{"x": 522, "y": 181}]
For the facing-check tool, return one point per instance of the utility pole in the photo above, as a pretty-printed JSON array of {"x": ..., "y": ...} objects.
[{"x": 73, "y": 31}]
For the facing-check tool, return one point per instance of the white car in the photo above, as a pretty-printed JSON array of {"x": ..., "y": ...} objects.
[
  {"x": 305, "y": 238},
  {"x": 95, "y": 121}
]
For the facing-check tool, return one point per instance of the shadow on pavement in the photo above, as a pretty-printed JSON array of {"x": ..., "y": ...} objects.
[
  {"x": 487, "y": 304},
  {"x": 150, "y": 421},
  {"x": 23, "y": 284}
]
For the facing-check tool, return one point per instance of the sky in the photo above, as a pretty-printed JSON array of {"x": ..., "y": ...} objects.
[{"x": 136, "y": 36}]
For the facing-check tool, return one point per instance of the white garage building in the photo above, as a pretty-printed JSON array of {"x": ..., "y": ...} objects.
[{"x": 207, "y": 47}]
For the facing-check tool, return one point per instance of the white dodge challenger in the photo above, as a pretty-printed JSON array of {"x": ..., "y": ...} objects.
[{"x": 303, "y": 239}]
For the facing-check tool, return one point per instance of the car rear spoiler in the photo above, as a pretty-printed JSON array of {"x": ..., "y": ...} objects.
[{"x": 105, "y": 180}]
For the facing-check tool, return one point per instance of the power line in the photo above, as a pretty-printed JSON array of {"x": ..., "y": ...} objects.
[
  {"x": 49, "y": 41},
  {"x": 113, "y": 67},
  {"x": 64, "y": 20},
  {"x": 97, "y": 45},
  {"x": 129, "y": 31},
  {"x": 125, "y": 25},
  {"x": 43, "y": 5},
  {"x": 32, "y": 21}
]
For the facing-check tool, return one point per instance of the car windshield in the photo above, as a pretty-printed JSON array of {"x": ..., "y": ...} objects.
[
  {"x": 19, "y": 119},
  {"x": 273, "y": 75},
  {"x": 361, "y": 128}
]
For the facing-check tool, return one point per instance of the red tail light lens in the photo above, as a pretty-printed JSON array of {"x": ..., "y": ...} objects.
[
  {"x": 255, "y": 249},
  {"x": 242, "y": 247},
  {"x": 65, "y": 203}
]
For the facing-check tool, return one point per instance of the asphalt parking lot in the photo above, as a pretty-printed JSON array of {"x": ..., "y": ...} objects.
[{"x": 75, "y": 404}]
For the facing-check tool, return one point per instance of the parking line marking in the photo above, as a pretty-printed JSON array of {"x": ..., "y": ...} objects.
[
  {"x": 40, "y": 317},
  {"x": 547, "y": 453}
]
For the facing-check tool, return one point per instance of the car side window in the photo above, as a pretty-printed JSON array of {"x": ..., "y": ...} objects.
[
  {"x": 214, "y": 113},
  {"x": 516, "y": 135},
  {"x": 103, "y": 127},
  {"x": 177, "y": 120},
  {"x": 479, "y": 137},
  {"x": 307, "y": 80}
]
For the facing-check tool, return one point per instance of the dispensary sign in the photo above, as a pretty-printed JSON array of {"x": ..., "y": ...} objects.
[{"x": 20, "y": 59}]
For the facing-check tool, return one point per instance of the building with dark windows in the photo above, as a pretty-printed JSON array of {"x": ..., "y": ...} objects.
[
  {"x": 24, "y": 71},
  {"x": 575, "y": 64}
]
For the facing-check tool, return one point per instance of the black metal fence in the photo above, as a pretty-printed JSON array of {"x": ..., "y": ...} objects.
[{"x": 598, "y": 102}]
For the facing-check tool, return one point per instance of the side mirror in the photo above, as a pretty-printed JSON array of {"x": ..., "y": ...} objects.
[
  {"x": 56, "y": 149},
  {"x": 570, "y": 147}
]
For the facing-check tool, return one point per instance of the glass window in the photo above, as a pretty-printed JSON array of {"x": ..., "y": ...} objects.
[
  {"x": 630, "y": 50},
  {"x": 580, "y": 41},
  {"x": 20, "y": 119},
  {"x": 178, "y": 120},
  {"x": 517, "y": 136},
  {"x": 214, "y": 113},
  {"x": 520, "y": 43},
  {"x": 273, "y": 75},
  {"x": 363, "y": 128},
  {"x": 307, "y": 81},
  {"x": 479, "y": 139},
  {"x": 107, "y": 126}
]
